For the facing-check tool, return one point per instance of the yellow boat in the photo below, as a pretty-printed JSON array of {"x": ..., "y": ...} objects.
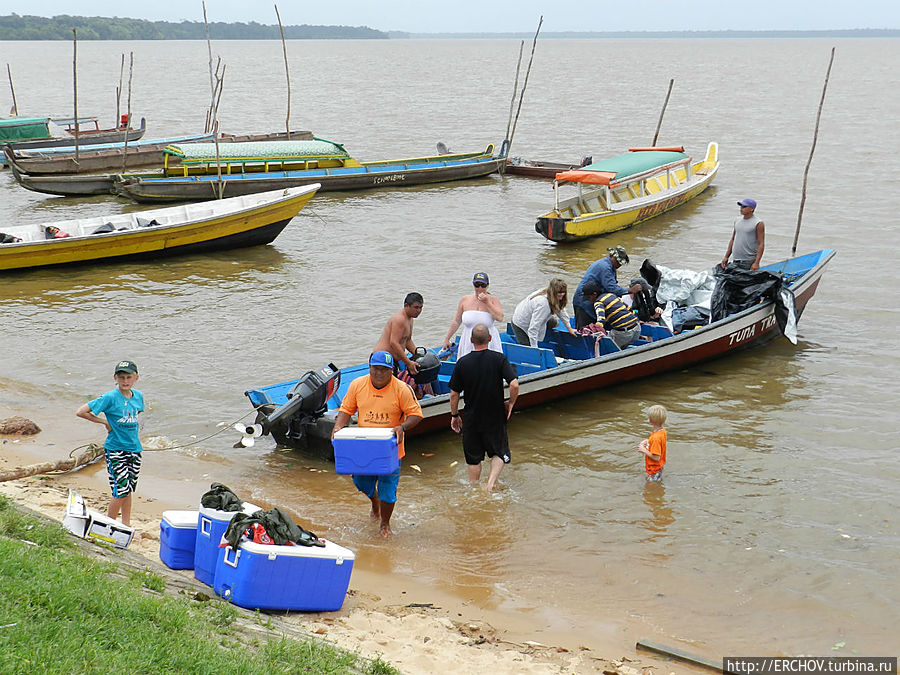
[
  {"x": 237, "y": 222},
  {"x": 635, "y": 186}
]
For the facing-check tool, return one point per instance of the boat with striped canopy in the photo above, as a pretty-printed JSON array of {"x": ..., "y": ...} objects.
[{"x": 625, "y": 190}]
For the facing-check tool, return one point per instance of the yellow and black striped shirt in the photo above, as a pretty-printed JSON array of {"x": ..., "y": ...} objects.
[{"x": 613, "y": 314}]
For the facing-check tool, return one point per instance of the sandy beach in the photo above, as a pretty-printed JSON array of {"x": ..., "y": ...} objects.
[{"x": 416, "y": 628}]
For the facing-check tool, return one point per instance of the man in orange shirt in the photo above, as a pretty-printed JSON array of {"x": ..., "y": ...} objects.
[{"x": 381, "y": 401}]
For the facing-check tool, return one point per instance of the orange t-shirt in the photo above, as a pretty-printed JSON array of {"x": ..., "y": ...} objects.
[
  {"x": 657, "y": 447},
  {"x": 386, "y": 407}
]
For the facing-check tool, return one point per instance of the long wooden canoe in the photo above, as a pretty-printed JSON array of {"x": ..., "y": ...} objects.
[
  {"x": 85, "y": 138},
  {"x": 347, "y": 175}
]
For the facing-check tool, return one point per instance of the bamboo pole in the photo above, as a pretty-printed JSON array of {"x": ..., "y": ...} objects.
[
  {"x": 662, "y": 112},
  {"x": 287, "y": 74},
  {"x": 525, "y": 83},
  {"x": 75, "y": 86},
  {"x": 93, "y": 452},
  {"x": 130, "y": 78},
  {"x": 214, "y": 83},
  {"x": 811, "y": 151},
  {"x": 512, "y": 101},
  {"x": 119, "y": 89},
  {"x": 15, "y": 106},
  {"x": 212, "y": 88}
]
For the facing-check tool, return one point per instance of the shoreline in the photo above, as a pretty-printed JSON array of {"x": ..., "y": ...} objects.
[{"x": 412, "y": 625}]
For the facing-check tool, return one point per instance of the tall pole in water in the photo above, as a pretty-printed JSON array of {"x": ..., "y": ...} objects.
[
  {"x": 662, "y": 112},
  {"x": 75, "y": 86},
  {"x": 811, "y": 151},
  {"x": 287, "y": 74},
  {"x": 15, "y": 106}
]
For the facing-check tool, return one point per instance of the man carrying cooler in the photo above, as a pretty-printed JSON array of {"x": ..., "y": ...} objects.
[{"x": 381, "y": 401}]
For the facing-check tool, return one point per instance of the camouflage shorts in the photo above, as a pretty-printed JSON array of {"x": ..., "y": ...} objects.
[{"x": 122, "y": 468}]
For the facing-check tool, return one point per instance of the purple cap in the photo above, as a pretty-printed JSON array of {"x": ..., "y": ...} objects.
[
  {"x": 382, "y": 358},
  {"x": 748, "y": 202}
]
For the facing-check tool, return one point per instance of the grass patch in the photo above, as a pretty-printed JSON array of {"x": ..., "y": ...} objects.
[{"x": 62, "y": 612}]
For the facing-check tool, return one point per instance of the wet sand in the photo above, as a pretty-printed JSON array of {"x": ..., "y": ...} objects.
[{"x": 415, "y": 627}]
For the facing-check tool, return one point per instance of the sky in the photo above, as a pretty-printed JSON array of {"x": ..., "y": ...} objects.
[{"x": 499, "y": 16}]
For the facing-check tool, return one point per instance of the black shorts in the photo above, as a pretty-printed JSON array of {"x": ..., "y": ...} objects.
[{"x": 480, "y": 442}]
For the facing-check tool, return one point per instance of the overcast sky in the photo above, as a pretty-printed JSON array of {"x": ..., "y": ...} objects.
[{"x": 500, "y": 16}]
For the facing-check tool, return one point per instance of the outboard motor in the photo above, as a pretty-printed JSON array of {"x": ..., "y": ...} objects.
[
  {"x": 589, "y": 159},
  {"x": 429, "y": 366},
  {"x": 307, "y": 402}
]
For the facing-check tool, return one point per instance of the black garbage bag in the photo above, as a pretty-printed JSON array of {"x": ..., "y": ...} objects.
[
  {"x": 279, "y": 526},
  {"x": 651, "y": 274},
  {"x": 222, "y": 498},
  {"x": 738, "y": 289}
]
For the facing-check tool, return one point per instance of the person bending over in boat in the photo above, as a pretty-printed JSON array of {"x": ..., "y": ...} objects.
[
  {"x": 381, "y": 401},
  {"x": 602, "y": 273},
  {"x": 479, "y": 308},
  {"x": 613, "y": 317},
  {"x": 643, "y": 302},
  {"x": 748, "y": 238},
  {"x": 396, "y": 337},
  {"x": 542, "y": 310}
]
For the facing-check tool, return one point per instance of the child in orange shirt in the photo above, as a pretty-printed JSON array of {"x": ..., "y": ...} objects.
[{"x": 654, "y": 447}]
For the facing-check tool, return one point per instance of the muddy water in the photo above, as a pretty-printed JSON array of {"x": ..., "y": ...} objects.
[{"x": 775, "y": 530}]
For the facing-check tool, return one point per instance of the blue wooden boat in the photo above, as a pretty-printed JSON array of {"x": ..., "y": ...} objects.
[
  {"x": 334, "y": 170},
  {"x": 296, "y": 412}
]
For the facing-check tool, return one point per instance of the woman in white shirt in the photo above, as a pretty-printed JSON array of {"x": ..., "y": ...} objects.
[{"x": 543, "y": 309}]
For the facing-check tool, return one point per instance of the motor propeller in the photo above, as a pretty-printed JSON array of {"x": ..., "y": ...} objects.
[{"x": 249, "y": 433}]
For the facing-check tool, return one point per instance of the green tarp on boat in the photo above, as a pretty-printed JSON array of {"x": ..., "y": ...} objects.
[{"x": 24, "y": 128}]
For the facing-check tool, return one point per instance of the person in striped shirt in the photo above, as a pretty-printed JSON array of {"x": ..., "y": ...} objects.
[{"x": 613, "y": 315}]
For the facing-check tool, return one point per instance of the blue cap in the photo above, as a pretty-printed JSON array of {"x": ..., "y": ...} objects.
[
  {"x": 382, "y": 358},
  {"x": 748, "y": 202},
  {"x": 481, "y": 277}
]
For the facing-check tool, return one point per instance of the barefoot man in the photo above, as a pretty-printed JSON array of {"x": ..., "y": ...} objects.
[
  {"x": 396, "y": 337},
  {"x": 381, "y": 401},
  {"x": 480, "y": 374}
]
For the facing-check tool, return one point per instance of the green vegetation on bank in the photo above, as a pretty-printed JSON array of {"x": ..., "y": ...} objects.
[
  {"x": 62, "y": 612},
  {"x": 15, "y": 27}
]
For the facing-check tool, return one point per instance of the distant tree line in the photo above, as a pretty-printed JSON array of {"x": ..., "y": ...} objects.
[{"x": 15, "y": 27}]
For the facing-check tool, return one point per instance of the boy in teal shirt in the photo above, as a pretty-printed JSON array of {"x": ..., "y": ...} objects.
[{"x": 121, "y": 407}]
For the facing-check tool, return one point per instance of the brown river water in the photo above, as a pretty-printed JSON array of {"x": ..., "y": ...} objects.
[{"x": 774, "y": 531}]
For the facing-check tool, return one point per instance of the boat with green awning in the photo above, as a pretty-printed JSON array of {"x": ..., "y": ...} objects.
[{"x": 625, "y": 190}]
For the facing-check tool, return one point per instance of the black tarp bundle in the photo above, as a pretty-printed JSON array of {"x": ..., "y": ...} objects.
[
  {"x": 222, "y": 498},
  {"x": 279, "y": 526},
  {"x": 738, "y": 289}
]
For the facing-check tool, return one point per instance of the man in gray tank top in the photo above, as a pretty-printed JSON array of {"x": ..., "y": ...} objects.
[{"x": 748, "y": 239}]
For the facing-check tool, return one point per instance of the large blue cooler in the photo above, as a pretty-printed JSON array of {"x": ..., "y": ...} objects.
[
  {"x": 211, "y": 525},
  {"x": 262, "y": 576},
  {"x": 366, "y": 451},
  {"x": 178, "y": 539}
]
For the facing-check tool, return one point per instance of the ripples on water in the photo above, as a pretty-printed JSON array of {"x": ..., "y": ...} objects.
[{"x": 776, "y": 513}]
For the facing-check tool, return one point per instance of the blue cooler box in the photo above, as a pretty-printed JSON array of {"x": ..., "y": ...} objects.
[
  {"x": 262, "y": 576},
  {"x": 211, "y": 525},
  {"x": 366, "y": 451},
  {"x": 178, "y": 538}
]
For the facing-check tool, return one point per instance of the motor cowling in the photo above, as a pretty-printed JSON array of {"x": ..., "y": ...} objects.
[{"x": 429, "y": 366}]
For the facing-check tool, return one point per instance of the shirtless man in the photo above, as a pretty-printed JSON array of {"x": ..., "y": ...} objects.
[{"x": 396, "y": 337}]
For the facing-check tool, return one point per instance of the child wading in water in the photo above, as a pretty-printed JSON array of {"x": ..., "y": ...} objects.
[
  {"x": 654, "y": 447},
  {"x": 121, "y": 406}
]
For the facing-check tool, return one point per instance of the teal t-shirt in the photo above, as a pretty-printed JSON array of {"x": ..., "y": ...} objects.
[{"x": 122, "y": 415}]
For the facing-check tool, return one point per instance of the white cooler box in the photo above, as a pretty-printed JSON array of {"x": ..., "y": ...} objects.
[
  {"x": 261, "y": 576},
  {"x": 211, "y": 525}
]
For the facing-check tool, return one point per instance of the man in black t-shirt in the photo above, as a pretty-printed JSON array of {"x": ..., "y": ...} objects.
[{"x": 480, "y": 374}]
